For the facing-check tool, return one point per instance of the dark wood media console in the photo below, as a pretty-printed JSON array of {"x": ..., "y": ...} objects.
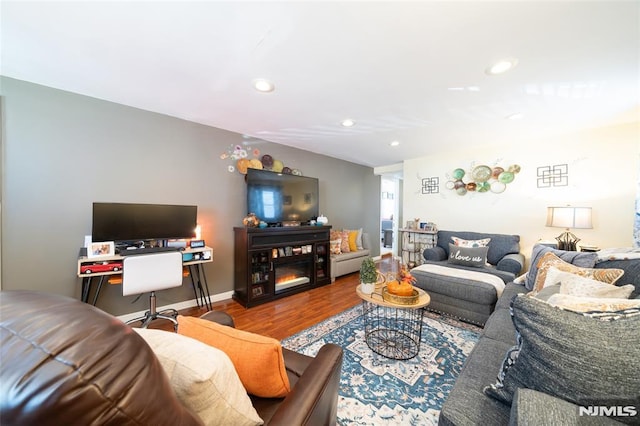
[{"x": 270, "y": 263}]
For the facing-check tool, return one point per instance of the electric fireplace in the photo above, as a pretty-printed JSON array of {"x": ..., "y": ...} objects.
[{"x": 292, "y": 274}]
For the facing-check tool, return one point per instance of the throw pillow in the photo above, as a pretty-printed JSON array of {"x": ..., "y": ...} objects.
[
  {"x": 335, "y": 235},
  {"x": 203, "y": 378},
  {"x": 334, "y": 246},
  {"x": 583, "y": 359},
  {"x": 470, "y": 243},
  {"x": 353, "y": 235},
  {"x": 344, "y": 246},
  {"x": 549, "y": 260},
  {"x": 546, "y": 292},
  {"x": 359, "y": 242},
  {"x": 258, "y": 359},
  {"x": 476, "y": 256},
  {"x": 577, "y": 285},
  {"x": 591, "y": 304},
  {"x": 583, "y": 260}
]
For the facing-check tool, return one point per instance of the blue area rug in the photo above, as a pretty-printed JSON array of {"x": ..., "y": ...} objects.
[{"x": 375, "y": 390}]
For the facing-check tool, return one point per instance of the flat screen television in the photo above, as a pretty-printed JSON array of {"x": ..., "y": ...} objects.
[
  {"x": 278, "y": 197},
  {"x": 140, "y": 222}
]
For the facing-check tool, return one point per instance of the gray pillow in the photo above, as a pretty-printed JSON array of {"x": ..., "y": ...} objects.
[
  {"x": 583, "y": 260},
  {"x": 547, "y": 292},
  {"x": 586, "y": 359},
  {"x": 468, "y": 256}
]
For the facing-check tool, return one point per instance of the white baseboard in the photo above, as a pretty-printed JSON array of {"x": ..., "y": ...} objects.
[{"x": 177, "y": 306}]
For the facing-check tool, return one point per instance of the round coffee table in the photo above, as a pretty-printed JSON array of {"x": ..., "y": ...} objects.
[{"x": 393, "y": 330}]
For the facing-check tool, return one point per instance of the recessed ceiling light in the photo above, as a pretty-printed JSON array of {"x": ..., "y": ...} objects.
[
  {"x": 516, "y": 116},
  {"x": 348, "y": 122},
  {"x": 394, "y": 143},
  {"x": 262, "y": 85},
  {"x": 501, "y": 66}
]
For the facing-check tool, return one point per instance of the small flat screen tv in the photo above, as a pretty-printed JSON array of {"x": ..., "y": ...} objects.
[
  {"x": 278, "y": 197},
  {"x": 140, "y": 222}
]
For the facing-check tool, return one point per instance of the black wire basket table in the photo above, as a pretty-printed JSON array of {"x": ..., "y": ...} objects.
[{"x": 393, "y": 330}]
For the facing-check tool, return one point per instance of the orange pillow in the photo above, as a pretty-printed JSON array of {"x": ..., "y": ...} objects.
[{"x": 257, "y": 359}]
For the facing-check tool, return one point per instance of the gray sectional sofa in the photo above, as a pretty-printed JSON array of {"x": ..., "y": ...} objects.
[
  {"x": 468, "y": 299},
  {"x": 468, "y": 404}
]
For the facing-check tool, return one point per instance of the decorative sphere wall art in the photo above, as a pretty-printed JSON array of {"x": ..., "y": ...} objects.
[{"x": 482, "y": 179}]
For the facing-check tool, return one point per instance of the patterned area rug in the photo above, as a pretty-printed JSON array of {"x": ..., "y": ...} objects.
[{"x": 375, "y": 390}]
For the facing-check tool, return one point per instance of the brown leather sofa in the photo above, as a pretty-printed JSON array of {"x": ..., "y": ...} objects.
[{"x": 66, "y": 362}]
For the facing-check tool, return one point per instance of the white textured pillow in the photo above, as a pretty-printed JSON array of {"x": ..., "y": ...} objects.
[
  {"x": 589, "y": 304},
  {"x": 203, "y": 378},
  {"x": 575, "y": 285}
]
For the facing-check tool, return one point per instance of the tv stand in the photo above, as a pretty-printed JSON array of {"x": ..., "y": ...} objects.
[{"x": 270, "y": 263}]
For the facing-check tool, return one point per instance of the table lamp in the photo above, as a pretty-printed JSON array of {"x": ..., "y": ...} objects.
[{"x": 568, "y": 217}]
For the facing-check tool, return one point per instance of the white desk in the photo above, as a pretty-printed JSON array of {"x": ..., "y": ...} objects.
[{"x": 193, "y": 260}]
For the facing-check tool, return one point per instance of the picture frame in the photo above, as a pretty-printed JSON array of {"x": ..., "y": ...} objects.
[{"x": 101, "y": 249}]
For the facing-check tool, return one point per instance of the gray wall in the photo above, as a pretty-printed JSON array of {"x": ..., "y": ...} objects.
[{"x": 63, "y": 151}]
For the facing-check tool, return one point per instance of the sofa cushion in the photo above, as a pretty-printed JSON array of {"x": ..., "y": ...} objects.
[
  {"x": 549, "y": 260},
  {"x": 334, "y": 246},
  {"x": 468, "y": 256},
  {"x": 572, "y": 356},
  {"x": 466, "y": 403},
  {"x": 499, "y": 246},
  {"x": 536, "y": 408},
  {"x": 583, "y": 260},
  {"x": 257, "y": 359},
  {"x": 203, "y": 378},
  {"x": 353, "y": 235}
]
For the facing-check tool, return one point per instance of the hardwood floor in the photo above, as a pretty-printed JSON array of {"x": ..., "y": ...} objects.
[{"x": 284, "y": 317}]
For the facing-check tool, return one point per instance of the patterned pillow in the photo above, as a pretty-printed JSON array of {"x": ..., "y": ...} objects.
[
  {"x": 334, "y": 246},
  {"x": 584, "y": 260},
  {"x": 549, "y": 260},
  {"x": 476, "y": 256},
  {"x": 471, "y": 243},
  {"x": 577, "y": 357},
  {"x": 591, "y": 304},
  {"x": 577, "y": 285},
  {"x": 344, "y": 245},
  {"x": 335, "y": 235}
]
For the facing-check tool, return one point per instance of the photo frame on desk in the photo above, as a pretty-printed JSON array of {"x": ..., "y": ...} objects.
[{"x": 101, "y": 249}]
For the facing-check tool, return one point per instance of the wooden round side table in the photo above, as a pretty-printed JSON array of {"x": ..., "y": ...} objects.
[{"x": 393, "y": 330}]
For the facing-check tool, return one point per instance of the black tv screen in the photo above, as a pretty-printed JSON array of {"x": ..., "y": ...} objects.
[
  {"x": 136, "y": 222},
  {"x": 278, "y": 197}
]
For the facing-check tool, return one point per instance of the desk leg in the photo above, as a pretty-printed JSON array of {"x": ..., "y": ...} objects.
[
  {"x": 195, "y": 284},
  {"x": 198, "y": 276},
  {"x": 86, "y": 286},
  {"x": 206, "y": 287},
  {"x": 95, "y": 296}
]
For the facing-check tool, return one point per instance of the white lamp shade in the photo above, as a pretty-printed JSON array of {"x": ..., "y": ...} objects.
[{"x": 569, "y": 217}]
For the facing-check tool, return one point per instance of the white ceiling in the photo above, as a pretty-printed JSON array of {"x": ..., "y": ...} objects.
[{"x": 387, "y": 65}]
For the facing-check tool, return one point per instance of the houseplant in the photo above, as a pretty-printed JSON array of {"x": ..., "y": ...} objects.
[{"x": 368, "y": 276}]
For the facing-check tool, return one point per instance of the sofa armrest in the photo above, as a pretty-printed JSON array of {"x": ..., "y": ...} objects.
[
  {"x": 434, "y": 253},
  {"x": 511, "y": 263},
  {"x": 531, "y": 407},
  {"x": 314, "y": 398}
]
